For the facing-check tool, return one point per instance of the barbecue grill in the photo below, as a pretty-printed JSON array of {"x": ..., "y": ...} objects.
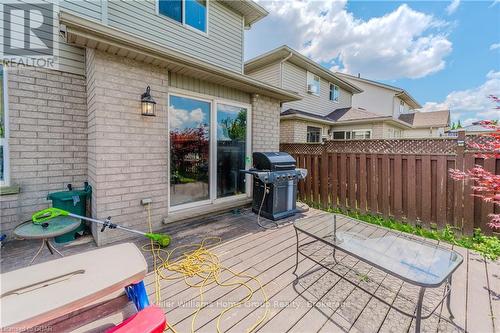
[{"x": 275, "y": 184}]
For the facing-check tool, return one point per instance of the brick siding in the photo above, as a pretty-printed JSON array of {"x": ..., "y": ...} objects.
[
  {"x": 265, "y": 123},
  {"x": 128, "y": 158},
  {"x": 68, "y": 129},
  {"x": 48, "y": 139}
]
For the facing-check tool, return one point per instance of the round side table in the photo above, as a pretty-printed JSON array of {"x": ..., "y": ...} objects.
[{"x": 54, "y": 227}]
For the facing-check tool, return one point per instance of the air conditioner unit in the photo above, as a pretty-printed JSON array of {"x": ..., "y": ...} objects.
[{"x": 311, "y": 89}]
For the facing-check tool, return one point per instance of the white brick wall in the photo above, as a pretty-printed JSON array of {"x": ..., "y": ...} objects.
[
  {"x": 127, "y": 152},
  {"x": 48, "y": 139}
]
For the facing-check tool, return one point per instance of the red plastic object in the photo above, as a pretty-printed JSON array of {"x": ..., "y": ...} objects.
[{"x": 150, "y": 320}]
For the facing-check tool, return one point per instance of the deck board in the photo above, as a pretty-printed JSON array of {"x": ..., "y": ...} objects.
[
  {"x": 478, "y": 296},
  {"x": 318, "y": 301}
]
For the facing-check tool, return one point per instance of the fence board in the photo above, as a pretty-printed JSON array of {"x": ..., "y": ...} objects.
[
  {"x": 441, "y": 191},
  {"x": 407, "y": 179},
  {"x": 335, "y": 180},
  {"x": 373, "y": 183},
  {"x": 343, "y": 180},
  {"x": 385, "y": 185},
  {"x": 324, "y": 179},
  {"x": 411, "y": 214},
  {"x": 307, "y": 195},
  {"x": 315, "y": 180},
  {"x": 487, "y": 208},
  {"x": 398, "y": 187},
  {"x": 426, "y": 189},
  {"x": 352, "y": 181},
  {"x": 458, "y": 189},
  {"x": 362, "y": 183}
]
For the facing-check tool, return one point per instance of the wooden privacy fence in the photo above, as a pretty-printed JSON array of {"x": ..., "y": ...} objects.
[{"x": 405, "y": 178}]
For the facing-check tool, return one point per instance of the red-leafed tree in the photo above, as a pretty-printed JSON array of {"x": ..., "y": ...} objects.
[{"x": 486, "y": 184}]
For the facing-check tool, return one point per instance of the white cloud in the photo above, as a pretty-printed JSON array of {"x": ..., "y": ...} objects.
[
  {"x": 179, "y": 117},
  {"x": 471, "y": 104},
  {"x": 404, "y": 43},
  {"x": 494, "y": 46},
  {"x": 452, "y": 7}
]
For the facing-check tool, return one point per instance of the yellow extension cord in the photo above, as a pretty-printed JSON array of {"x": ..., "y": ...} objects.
[{"x": 202, "y": 263}]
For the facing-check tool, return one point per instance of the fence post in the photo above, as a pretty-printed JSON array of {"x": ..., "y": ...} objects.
[
  {"x": 324, "y": 181},
  {"x": 458, "y": 187}
]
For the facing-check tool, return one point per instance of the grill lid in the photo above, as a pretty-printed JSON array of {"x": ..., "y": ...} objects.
[{"x": 273, "y": 161}]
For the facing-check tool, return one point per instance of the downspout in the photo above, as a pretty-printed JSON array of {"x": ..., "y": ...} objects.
[{"x": 281, "y": 68}]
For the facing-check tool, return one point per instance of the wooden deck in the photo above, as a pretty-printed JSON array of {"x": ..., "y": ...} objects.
[{"x": 318, "y": 301}]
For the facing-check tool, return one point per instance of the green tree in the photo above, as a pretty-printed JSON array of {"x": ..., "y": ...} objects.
[{"x": 235, "y": 129}]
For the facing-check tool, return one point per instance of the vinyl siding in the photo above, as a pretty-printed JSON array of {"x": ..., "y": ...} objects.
[
  {"x": 207, "y": 88},
  {"x": 71, "y": 58},
  {"x": 374, "y": 99},
  {"x": 270, "y": 74},
  {"x": 295, "y": 79},
  {"x": 419, "y": 133},
  {"x": 222, "y": 46},
  {"x": 396, "y": 112},
  {"x": 90, "y": 9}
]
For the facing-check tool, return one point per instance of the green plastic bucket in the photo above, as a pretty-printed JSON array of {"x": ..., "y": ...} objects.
[{"x": 75, "y": 202}]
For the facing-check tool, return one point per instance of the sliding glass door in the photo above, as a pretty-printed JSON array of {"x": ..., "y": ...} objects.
[
  {"x": 189, "y": 150},
  {"x": 209, "y": 145},
  {"x": 231, "y": 149}
]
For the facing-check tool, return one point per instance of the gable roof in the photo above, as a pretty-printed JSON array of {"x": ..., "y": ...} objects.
[
  {"x": 346, "y": 114},
  {"x": 293, "y": 113},
  {"x": 302, "y": 61},
  {"x": 341, "y": 116},
  {"x": 400, "y": 92},
  {"x": 427, "y": 119}
]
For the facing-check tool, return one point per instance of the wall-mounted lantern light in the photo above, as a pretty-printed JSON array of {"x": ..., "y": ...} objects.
[{"x": 148, "y": 104}]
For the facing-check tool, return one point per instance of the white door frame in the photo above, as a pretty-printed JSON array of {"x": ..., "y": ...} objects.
[{"x": 214, "y": 101}]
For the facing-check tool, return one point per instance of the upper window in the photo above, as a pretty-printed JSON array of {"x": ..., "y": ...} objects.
[
  {"x": 313, "y": 134},
  {"x": 401, "y": 106},
  {"x": 190, "y": 12},
  {"x": 313, "y": 83},
  {"x": 4, "y": 175},
  {"x": 334, "y": 92}
]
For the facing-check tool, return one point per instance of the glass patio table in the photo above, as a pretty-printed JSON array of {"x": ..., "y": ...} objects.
[
  {"x": 55, "y": 227},
  {"x": 414, "y": 260}
]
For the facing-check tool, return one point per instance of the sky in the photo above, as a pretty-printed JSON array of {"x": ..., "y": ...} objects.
[{"x": 444, "y": 53}]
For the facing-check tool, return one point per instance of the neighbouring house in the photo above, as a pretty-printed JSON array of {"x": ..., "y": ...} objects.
[
  {"x": 340, "y": 106},
  {"x": 474, "y": 129},
  {"x": 85, "y": 119},
  {"x": 321, "y": 91},
  {"x": 403, "y": 119}
]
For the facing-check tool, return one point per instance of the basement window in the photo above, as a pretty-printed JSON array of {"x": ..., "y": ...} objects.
[{"x": 191, "y": 13}]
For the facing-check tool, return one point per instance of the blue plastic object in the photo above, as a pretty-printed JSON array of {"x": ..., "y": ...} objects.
[{"x": 138, "y": 295}]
